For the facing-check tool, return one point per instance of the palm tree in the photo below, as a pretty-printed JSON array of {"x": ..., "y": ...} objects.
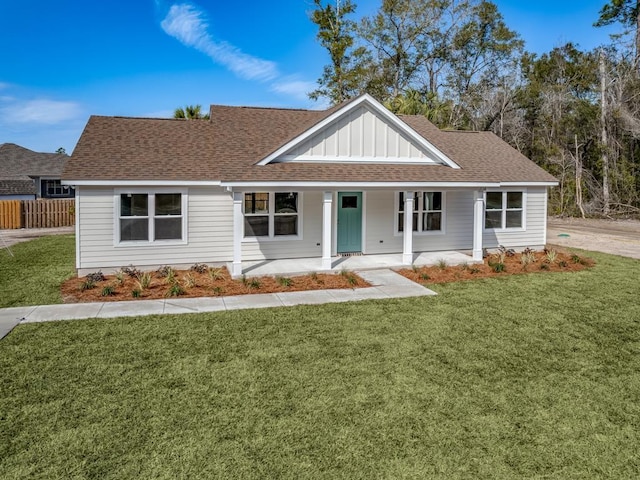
[{"x": 190, "y": 112}]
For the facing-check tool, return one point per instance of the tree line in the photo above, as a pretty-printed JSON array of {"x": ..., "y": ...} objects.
[{"x": 573, "y": 112}]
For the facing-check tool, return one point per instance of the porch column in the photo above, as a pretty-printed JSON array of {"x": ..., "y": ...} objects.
[
  {"x": 407, "y": 234},
  {"x": 327, "y": 198},
  {"x": 238, "y": 221},
  {"x": 478, "y": 220}
]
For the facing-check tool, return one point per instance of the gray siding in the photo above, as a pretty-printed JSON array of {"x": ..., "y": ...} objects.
[
  {"x": 380, "y": 232},
  {"x": 534, "y": 234},
  {"x": 209, "y": 226},
  {"x": 210, "y": 230},
  {"x": 307, "y": 246}
]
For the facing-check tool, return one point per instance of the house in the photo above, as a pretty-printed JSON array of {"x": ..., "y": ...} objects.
[
  {"x": 27, "y": 175},
  {"x": 255, "y": 184}
]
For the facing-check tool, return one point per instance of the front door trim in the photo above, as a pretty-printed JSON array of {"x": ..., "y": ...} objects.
[{"x": 361, "y": 208}]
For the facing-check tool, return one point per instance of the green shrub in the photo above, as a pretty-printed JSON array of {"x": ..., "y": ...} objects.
[{"x": 108, "y": 290}]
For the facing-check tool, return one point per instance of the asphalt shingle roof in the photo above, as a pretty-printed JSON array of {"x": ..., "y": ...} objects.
[
  {"x": 18, "y": 165},
  {"x": 227, "y": 148}
]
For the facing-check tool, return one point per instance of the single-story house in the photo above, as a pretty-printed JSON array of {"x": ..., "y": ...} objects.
[
  {"x": 254, "y": 184},
  {"x": 27, "y": 175}
]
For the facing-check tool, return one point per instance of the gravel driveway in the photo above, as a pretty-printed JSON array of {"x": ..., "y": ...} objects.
[{"x": 619, "y": 237}]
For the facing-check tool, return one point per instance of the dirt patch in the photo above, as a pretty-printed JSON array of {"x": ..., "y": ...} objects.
[
  {"x": 199, "y": 282},
  {"x": 618, "y": 237},
  {"x": 500, "y": 265}
]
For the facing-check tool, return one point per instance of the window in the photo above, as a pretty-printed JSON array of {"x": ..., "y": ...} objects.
[
  {"x": 504, "y": 210},
  {"x": 271, "y": 214},
  {"x": 50, "y": 188},
  {"x": 150, "y": 217},
  {"x": 428, "y": 212}
]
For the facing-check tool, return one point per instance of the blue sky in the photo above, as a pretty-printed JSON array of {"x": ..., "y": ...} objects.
[{"x": 62, "y": 61}]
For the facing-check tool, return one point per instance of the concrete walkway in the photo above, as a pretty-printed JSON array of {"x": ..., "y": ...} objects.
[{"x": 385, "y": 284}]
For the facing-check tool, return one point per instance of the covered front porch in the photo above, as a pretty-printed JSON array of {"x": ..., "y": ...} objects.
[
  {"x": 357, "y": 229},
  {"x": 301, "y": 266}
]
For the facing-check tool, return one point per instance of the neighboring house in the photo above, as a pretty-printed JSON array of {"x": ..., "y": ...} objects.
[
  {"x": 27, "y": 175},
  {"x": 255, "y": 184}
]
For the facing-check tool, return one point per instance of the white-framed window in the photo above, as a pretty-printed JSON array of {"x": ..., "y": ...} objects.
[
  {"x": 428, "y": 212},
  {"x": 150, "y": 217},
  {"x": 52, "y": 188},
  {"x": 272, "y": 214},
  {"x": 504, "y": 210}
]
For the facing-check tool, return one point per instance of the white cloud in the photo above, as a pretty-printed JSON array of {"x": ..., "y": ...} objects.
[
  {"x": 49, "y": 112},
  {"x": 298, "y": 89},
  {"x": 189, "y": 26}
]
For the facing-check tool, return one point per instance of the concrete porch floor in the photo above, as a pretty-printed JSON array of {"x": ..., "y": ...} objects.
[{"x": 301, "y": 266}]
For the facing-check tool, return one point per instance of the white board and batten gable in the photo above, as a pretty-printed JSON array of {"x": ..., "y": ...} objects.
[{"x": 363, "y": 131}]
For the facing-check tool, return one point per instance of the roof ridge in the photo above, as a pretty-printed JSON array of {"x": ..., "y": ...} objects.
[
  {"x": 249, "y": 107},
  {"x": 124, "y": 117}
]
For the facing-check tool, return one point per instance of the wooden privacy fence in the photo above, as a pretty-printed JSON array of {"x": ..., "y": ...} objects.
[
  {"x": 37, "y": 213},
  {"x": 10, "y": 214}
]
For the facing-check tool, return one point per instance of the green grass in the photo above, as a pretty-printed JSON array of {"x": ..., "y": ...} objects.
[
  {"x": 32, "y": 276},
  {"x": 533, "y": 376}
]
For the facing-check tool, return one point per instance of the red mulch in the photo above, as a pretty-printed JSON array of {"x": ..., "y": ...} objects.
[
  {"x": 194, "y": 284},
  {"x": 513, "y": 265}
]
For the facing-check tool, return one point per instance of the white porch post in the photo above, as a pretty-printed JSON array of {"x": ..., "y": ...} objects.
[
  {"x": 478, "y": 220},
  {"x": 327, "y": 198},
  {"x": 238, "y": 221},
  {"x": 407, "y": 234}
]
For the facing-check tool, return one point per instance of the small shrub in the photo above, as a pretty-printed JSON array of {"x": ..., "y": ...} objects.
[
  {"x": 136, "y": 293},
  {"x": 199, "y": 268},
  {"x": 216, "y": 273},
  {"x": 175, "y": 290},
  {"x": 562, "y": 264},
  {"x": 120, "y": 277},
  {"x": 170, "y": 278},
  {"x": 352, "y": 280},
  {"x": 314, "y": 276},
  {"x": 576, "y": 258},
  {"x": 544, "y": 266},
  {"x": 189, "y": 281},
  {"x": 132, "y": 271},
  {"x": 415, "y": 268},
  {"x": 166, "y": 271},
  {"x": 108, "y": 290},
  {"x": 464, "y": 266},
  {"x": 527, "y": 257},
  {"x": 442, "y": 264},
  {"x": 88, "y": 284},
  {"x": 497, "y": 266},
  {"x": 217, "y": 291},
  {"x": 424, "y": 276},
  {"x": 344, "y": 272},
  {"x": 551, "y": 256},
  {"x": 284, "y": 281},
  {"x": 254, "y": 284},
  {"x": 505, "y": 252},
  {"x": 144, "y": 280},
  {"x": 95, "y": 277},
  {"x": 474, "y": 270}
]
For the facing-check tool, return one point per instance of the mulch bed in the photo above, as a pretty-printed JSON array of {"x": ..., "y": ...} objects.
[
  {"x": 197, "y": 282},
  {"x": 512, "y": 264}
]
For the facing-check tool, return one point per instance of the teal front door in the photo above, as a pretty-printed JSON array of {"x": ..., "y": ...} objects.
[{"x": 349, "y": 222}]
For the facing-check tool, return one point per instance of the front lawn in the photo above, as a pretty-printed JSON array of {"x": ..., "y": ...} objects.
[
  {"x": 518, "y": 377},
  {"x": 33, "y": 274}
]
